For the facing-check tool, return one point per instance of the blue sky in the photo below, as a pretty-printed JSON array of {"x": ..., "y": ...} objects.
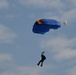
[{"x": 20, "y": 48}]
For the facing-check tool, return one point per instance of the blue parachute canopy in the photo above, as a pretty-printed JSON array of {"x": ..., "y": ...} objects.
[{"x": 44, "y": 25}]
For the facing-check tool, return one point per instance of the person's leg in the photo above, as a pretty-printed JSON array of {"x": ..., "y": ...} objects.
[
  {"x": 42, "y": 63},
  {"x": 39, "y": 62}
]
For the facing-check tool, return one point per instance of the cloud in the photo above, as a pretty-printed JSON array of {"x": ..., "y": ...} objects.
[
  {"x": 6, "y": 35},
  {"x": 62, "y": 16},
  {"x": 52, "y": 4},
  {"x": 13, "y": 69},
  {"x": 42, "y": 3},
  {"x": 29, "y": 70},
  {"x": 10, "y": 16},
  {"x": 10, "y": 68},
  {"x": 19, "y": 70},
  {"x": 5, "y": 57},
  {"x": 60, "y": 10},
  {"x": 72, "y": 71},
  {"x": 4, "y": 4},
  {"x": 63, "y": 48},
  {"x": 69, "y": 15}
]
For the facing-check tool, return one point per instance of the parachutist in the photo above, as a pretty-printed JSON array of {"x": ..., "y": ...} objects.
[{"x": 42, "y": 59}]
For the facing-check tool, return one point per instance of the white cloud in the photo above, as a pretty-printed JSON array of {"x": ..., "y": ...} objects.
[
  {"x": 6, "y": 35},
  {"x": 52, "y": 4},
  {"x": 73, "y": 3},
  {"x": 56, "y": 43},
  {"x": 63, "y": 16},
  {"x": 12, "y": 69},
  {"x": 11, "y": 16},
  {"x": 65, "y": 54},
  {"x": 43, "y": 3},
  {"x": 69, "y": 15},
  {"x": 4, "y": 4},
  {"x": 62, "y": 47},
  {"x": 72, "y": 71},
  {"x": 60, "y": 10},
  {"x": 5, "y": 57},
  {"x": 29, "y": 70},
  {"x": 20, "y": 70}
]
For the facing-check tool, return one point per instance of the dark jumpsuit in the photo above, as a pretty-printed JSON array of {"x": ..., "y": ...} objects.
[{"x": 42, "y": 59}]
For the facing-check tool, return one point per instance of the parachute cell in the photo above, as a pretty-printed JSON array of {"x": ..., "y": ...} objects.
[{"x": 44, "y": 25}]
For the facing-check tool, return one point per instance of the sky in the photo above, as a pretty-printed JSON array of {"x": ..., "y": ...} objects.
[{"x": 20, "y": 48}]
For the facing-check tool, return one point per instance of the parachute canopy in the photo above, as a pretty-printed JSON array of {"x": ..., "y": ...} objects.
[{"x": 42, "y": 26}]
